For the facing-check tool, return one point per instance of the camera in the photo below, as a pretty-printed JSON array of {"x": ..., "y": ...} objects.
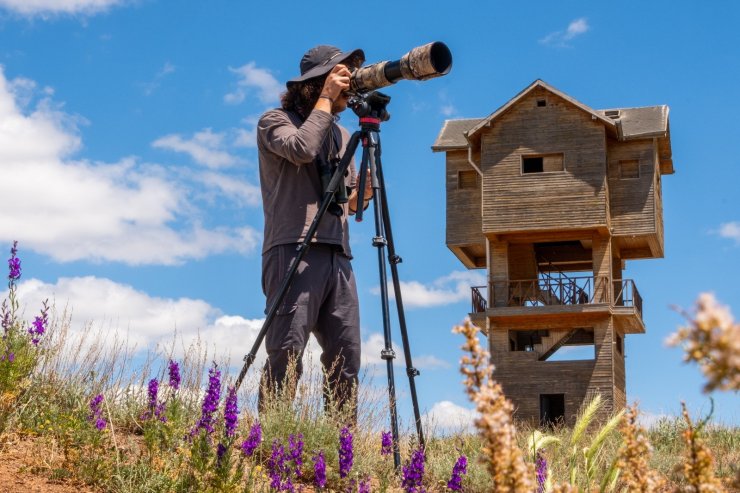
[{"x": 421, "y": 63}]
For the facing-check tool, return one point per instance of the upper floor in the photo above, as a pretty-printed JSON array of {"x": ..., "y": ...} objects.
[{"x": 547, "y": 164}]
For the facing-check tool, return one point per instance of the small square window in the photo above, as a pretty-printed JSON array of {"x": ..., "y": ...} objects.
[
  {"x": 467, "y": 179},
  {"x": 541, "y": 103},
  {"x": 629, "y": 169}
]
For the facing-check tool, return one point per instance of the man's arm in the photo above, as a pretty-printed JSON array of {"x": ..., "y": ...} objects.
[{"x": 300, "y": 145}]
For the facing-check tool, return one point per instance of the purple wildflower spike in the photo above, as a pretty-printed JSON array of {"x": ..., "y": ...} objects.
[
  {"x": 413, "y": 473},
  {"x": 39, "y": 325},
  {"x": 210, "y": 401},
  {"x": 295, "y": 444},
  {"x": 319, "y": 470},
  {"x": 386, "y": 443},
  {"x": 541, "y": 471},
  {"x": 174, "y": 371},
  {"x": 253, "y": 440},
  {"x": 345, "y": 452},
  {"x": 231, "y": 412},
  {"x": 364, "y": 486},
  {"x": 14, "y": 265},
  {"x": 460, "y": 468},
  {"x": 96, "y": 412}
]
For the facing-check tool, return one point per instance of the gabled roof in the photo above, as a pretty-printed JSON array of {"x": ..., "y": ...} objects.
[
  {"x": 624, "y": 123},
  {"x": 452, "y": 135},
  {"x": 640, "y": 123},
  {"x": 472, "y": 134}
]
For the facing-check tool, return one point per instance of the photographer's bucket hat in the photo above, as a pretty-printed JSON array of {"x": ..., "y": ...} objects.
[{"x": 320, "y": 60}]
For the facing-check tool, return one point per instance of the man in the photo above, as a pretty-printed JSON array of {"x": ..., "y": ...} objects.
[{"x": 298, "y": 144}]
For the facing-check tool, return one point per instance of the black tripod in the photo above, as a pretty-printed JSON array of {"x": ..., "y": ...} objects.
[{"x": 371, "y": 108}]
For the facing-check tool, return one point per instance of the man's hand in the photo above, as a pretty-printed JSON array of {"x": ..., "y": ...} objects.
[{"x": 337, "y": 82}]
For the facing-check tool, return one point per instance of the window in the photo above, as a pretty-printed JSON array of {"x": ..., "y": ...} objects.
[
  {"x": 541, "y": 103},
  {"x": 629, "y": 169},
  {"x": 467, "y": 179},
  {"x": 544, "y": 163}
]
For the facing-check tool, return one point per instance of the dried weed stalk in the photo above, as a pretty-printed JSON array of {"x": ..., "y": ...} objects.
[
  {"x": 634, "y": 456},
  {"x": 712, "y": 340},
  {"x": 502, "y": 456},
  {"x": 698, "y": 468}
]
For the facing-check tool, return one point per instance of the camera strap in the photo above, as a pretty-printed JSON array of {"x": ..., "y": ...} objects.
[{"x": 326, "y": 163}]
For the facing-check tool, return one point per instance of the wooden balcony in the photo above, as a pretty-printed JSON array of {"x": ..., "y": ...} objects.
[{"x": 557, "y": 296}]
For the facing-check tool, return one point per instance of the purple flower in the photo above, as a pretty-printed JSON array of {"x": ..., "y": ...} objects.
[
  {"x": 231, "y": 412},
  {"x": 220, "y": 452},
  {"x": 364, "y": 486},
  {"x": 96, "y": 412},
  {"x": 541, "y": 471},
  {"x": 14, "y": 265},
  {"x": 11, "y": 357},
  {"x": 345, "y": 452},
  {"x": 210, "y": 401},
  {"x": 38, "y": 327},
  {"x": 386, "y": 443},
  {"x": 460, "y": 468},
  {"x": 295, "y": 444},
  {"x": 174, "y": 370},
  {"x": 278, "y": 470},
  {"x": 319, "y": 470},
  {"x": 253, "y": 440},
  {"x": 413, "y": 473},
  {"x": 154, "y": 408}
]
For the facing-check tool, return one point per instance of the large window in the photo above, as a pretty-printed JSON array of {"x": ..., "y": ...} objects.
[{"x": 542, "y": 163}]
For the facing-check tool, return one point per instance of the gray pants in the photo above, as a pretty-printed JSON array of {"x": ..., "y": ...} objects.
[{"x": 322, "y": 299}]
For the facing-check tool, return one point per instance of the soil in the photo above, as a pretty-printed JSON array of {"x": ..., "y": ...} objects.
[{"x": 22, "y": 472}]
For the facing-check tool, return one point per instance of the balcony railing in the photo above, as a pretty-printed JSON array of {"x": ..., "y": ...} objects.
[
  {"x": 549, "y": 291},
  {"x": 626, "y": 294},
  {"x": 479, "y": 299}
]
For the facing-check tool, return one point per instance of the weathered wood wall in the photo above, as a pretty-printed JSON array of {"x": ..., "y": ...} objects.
[
  {"x": 524, "y": 378},
  {"x": 631, "y": 200},
  {"x": 463, "y": 204},
  {"x": 569, "y": 199}
]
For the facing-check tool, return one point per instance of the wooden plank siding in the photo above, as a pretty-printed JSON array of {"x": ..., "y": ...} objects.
[
  {"x": 632, "y": 204},
  {"x": 571, "y": 199},
  {"x": 463, "y": 206}
]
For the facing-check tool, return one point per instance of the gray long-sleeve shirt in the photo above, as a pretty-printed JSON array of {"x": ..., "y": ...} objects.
[{"x": 289, "y": 179}]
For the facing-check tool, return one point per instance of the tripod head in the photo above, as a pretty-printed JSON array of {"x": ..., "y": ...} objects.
[{"x": 371, "y": 105}]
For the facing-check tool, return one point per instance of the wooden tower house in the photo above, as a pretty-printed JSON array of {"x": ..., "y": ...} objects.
[{"x": 552, "y": 197}]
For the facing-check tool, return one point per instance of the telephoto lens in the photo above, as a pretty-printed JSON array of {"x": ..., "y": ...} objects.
[{"x": 421, "y": 63}]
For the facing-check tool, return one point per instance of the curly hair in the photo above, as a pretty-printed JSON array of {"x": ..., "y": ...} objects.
[{"x": 301, "y": 97}]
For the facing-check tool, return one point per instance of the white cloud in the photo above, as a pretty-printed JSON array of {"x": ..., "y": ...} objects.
[
  {"x": 149, "y": 87},
  {"x": 80, "y": 210},
  {"x": 731, "y": 231},
  {"x": 205, "y": 147},
  {"x": 240, "y": 191},
  {"x": 559, "y": 38},
  {"x": 446, "y": 290},
  {"x": 253, "y": 78},
  {"x": 247, "y": 137},
  {"x": 446, "y": 417},
  {"x": 46, "y": 7},
  {"x": 576, "y": 27},
  {"x": 447, "y": 110},
  {"x": 375, "y": 343},
  {"x": 145, "y": 322}
]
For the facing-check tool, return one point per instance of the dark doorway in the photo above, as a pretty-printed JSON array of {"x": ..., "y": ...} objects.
[{"x": 552, "y": 409}]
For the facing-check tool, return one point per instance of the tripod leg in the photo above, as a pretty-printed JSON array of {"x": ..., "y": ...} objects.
[
  {"x": 387, "y": 353},
  {"x": 394, "y": 261},
  {"x": 302, "y": 248}
]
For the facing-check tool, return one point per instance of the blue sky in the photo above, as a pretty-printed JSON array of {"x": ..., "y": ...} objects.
[{"x": 129, "y": 170}]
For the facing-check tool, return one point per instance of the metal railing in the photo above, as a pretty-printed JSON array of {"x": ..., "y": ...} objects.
[
  {"x": 549, "y": 291},
  {"x": 479, "y": 300},
  {"x": 626, "y": 294}
]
